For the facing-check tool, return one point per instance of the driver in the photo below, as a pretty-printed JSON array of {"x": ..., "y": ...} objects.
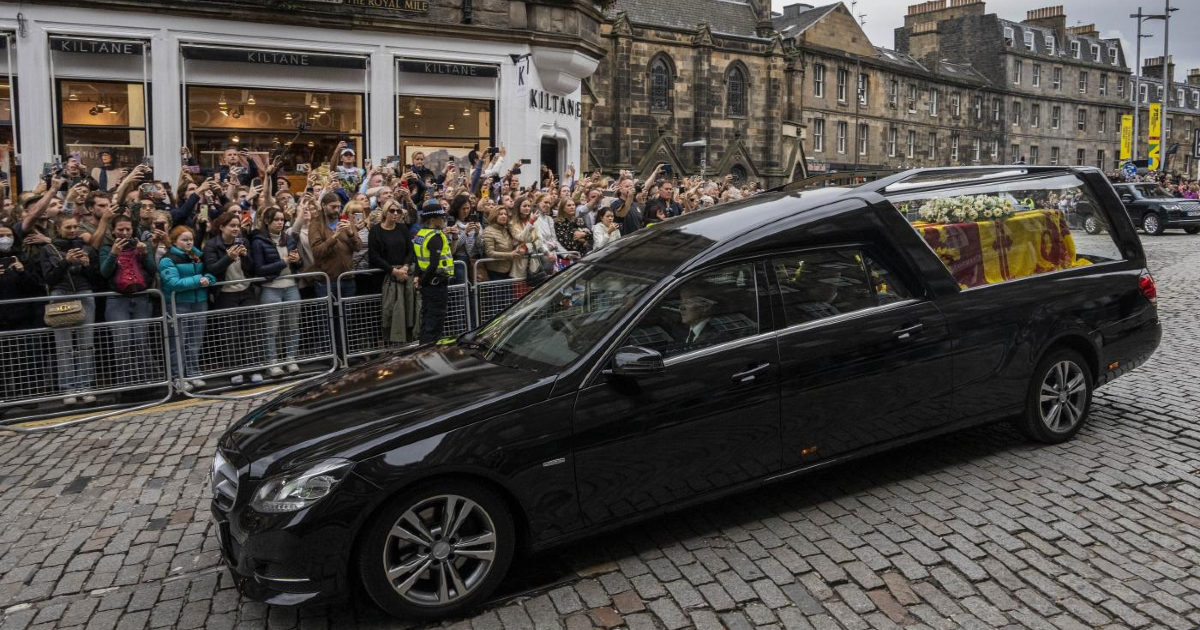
[{"x": 698, "y": 302}]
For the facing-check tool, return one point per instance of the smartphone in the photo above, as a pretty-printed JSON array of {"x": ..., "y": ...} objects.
[
  {"x": 159, "y": 225},
  {"x": 358, "y": 217},
  {"x": 7, "y": 261},
  {"x": 75, "y": 154},
  {"x": 148, "y": 189},
  {"x": 668, "y": 170},
  {"x": 303, "y": 168},
  {"x": 239, "y": 240},
  {"x": 148, "y": 160},
  {"x": 474, "y": 217},
  {"x": 350, "y": 145},
  {"x": 129, "y": 244},
  {"x": 193, "y": 169}
]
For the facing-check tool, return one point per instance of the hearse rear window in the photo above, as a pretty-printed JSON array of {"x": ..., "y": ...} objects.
[{"x": 988, "y": 232}]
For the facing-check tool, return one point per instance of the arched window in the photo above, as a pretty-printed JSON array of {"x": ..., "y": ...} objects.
[
  {"x": 735, "y": 92},
  {"x": 739, "y": 173},
  {"x": 660, "y": 85}
]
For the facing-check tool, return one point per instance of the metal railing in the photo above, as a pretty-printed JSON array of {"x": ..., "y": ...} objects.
[
  {"x": 361, "y": 316},
  {"x": 179, "y": 345},
  {"x": 246, "y": 340},
  {"x": 104, "y": 360}
]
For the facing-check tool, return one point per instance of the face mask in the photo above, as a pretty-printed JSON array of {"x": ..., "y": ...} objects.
[{"x": 6, "y": 243}]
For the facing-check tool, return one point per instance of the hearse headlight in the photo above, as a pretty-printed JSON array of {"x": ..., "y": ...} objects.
[{"x": 300, "y": 488}]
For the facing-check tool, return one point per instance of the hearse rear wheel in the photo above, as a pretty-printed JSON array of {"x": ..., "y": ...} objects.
[{"x": 1060, "y": 394}]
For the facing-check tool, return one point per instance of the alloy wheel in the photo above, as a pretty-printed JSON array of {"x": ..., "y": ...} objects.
[
  {"x": 1150, "y": 224},
  {"x": 1063, "y": 396},
  {"x": 1091, "y": 225},
  {"x": 440, "y": 550}
]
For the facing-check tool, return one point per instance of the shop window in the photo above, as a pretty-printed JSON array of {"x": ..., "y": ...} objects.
[
  {"x": 303, "y": 127},
  {"x": 102, "y": 115},
  {"x": 444, "y": 129},
  {"x": 7, "y": 131}
]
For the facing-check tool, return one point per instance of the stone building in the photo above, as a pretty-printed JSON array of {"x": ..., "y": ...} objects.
[
  {"x": 1057, "y": 92},
  {"x": 1181, "y": 119},
  {"x": 686, "y": 71},
  {"x": 867, "y": 107}
]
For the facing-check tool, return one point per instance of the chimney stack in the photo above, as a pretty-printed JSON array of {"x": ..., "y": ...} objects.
[
  {"x": 1194, "y": 76},
  {"x": 794, "y": 10},
  {"x": 1053, "y": 18},
  {"x": 1152, "y": 67}
]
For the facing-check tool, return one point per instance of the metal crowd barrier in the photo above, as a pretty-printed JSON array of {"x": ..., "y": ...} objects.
[
  {"x": 225, "y": 343},
  {"x": 172, "y": 349},
  {"x": 105, "y": 360},
  {"x": 493, "y": 296},
  {"x": 361, "y": 315}
]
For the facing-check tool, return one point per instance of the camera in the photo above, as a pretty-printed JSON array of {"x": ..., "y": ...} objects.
[
  {"x": 475, "y": 217},
  {"x": 493, "y": 150},
  {"x": 303, "y": 168}
]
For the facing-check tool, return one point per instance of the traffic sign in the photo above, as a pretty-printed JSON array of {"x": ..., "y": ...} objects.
[{"x": 1130, "y": 169}]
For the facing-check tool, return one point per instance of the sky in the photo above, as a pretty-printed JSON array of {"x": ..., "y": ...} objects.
[{"x": 1109, "y": 16}]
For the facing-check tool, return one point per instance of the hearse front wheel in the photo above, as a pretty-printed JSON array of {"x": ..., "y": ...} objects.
[
  {"x": 437, "y": 550},
  {"x": 1060, "y": 394}
]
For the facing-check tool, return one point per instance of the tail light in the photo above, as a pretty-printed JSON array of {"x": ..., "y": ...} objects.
[{"x": 1146, "y": 285}]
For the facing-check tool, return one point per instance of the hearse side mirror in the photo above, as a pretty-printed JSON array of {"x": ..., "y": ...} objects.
[{"x": 636, "y": 361}]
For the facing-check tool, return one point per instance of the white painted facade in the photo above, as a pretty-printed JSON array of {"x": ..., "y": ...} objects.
[{"x": 518, "y": 125}]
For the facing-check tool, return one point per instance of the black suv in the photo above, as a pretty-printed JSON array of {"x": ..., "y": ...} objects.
[
  {"x": 1154, "y": 209},
  {"x": 711, "y": 353}
]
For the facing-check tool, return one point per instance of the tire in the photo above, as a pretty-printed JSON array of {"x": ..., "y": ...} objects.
[
  {"x": 1091, "y": 225},
  {"x": 1152, "y": 224},
  {"x": 421, "y": 588},
  {"x": 1192, "y": 230},
  {"x": 1064, "y": 411}
]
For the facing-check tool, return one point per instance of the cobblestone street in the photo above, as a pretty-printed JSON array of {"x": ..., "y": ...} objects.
[{"x": 107, "y": 526}]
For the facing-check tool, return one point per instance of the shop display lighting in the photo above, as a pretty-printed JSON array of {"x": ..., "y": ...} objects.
[
  {"x": 251, "y": 101},
  {"x": 466, "y": 112}
]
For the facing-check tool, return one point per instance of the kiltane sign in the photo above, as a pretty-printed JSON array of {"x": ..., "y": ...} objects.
[
  {"x": 273, "y": 57},
  {"x": 95, "y": 46},
  {"x": 545, "y": 101},
  {"x": 449, "y": 69}
]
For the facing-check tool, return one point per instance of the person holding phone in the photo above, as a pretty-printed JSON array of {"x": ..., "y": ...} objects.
[
  {"x": 70, "y": 268},
  {"x": 226, "y": 257},
  {"x": 236, "y": 165},
  {"x": 275, "y": 256},
  {"x": 185, "y": 288},
  {"x": 344, "y": 166},
  {"x": 17, "y": 281},
  {"x": 129, "y": 266}
]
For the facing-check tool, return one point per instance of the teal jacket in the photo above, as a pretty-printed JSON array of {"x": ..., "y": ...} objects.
[{"x": 180, "y": 274}]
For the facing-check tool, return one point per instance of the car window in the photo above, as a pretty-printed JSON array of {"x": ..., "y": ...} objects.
[
  {"x": 994, "y": 232},
  {"x": 819, "y": 284},
  {"x": 887, "y": 285},
  {"x": 712, "y": 307}
]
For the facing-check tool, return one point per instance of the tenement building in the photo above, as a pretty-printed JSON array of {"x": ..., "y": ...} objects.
[
  {"x": 1058, "y": 92},
  {"x": 692, "y": 71},
  {"x": 1180, "y": 119},
  {"x": 867, "y": 107},
  {"x": 141, "y": 78}
]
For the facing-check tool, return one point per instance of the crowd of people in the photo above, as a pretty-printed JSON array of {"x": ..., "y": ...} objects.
[
  {"x": 1175, "y": 184},
  {"x": 88, "y": 229}
]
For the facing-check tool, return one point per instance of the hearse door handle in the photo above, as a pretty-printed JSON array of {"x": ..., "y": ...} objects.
[
  {"x": 906, "y": 333},
  {"x": 749, "y": 375}
]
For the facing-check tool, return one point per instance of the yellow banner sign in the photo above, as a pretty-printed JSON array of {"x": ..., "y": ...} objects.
[
  {"x": 1154, "y": 135},
  {"x": 1126, "y": 137}
]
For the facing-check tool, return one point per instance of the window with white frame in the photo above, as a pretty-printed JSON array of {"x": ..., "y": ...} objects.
[
  {"x": 1081, "y": 119},
  {"x": 1102, "y": 121},
  {"x": 1009, "y": 36},
  {"x": 843, "y": 75},
  {"x": 1016, "y": 71},
  {"x": 1180, "y": 100},
  {"x": 1096, "y": 53},
  {"x": 1080, "y": 157},
  {"x": 1120, "y": 87},
  {"x": 818, "y": 134},
  {"x": 841, "y": 137},
  {"x": 1055, "y": 116},
  {"x": 1035, "y": 115},
  {"x": 1056, "y": 81},
  {"x": 1028, "y": 40},
  {"x": 893, "y": 92},
  {"x": 932, "y": 145},
  {"x": 1035, "y": 154},
  {"x": 1075, "y": 49},
  {"x": 996, "y": 110},
  {"x": 1112, "y": 55},
  {"x": 891, "y": 142},
  {"x": 1035, "y": 75},
  {"x": 819, "y": 81},
  {"x": 1050, "y": 43},
  {"x": 1016, "y": 113},
  {"x": 1083, "y": 82},
  {"x": 1103, "y": 84},
  {"x": 912, "y": 144},
  {"x": 995, "y": 152},
  {"x": 863, "y": 85},
  {"x": 1014, "y": 152},
  {"x": 912, "y": 97},
  {"x": 978, "y": 102},
  {"x": 1054, "y": 156},
  {"x": 933, "y": 102},
  {"x": 975, "y": 150},
  {"x": 1196, "y": 99},
  {"x": 1144, "y": 93},
  {"x": 864, "y": 133},
  {"x": 956, "y": 104},
  {"x": 954, "y": 148}
]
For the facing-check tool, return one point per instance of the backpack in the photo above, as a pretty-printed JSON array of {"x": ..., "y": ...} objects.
[{"x": 130, "y": 277}]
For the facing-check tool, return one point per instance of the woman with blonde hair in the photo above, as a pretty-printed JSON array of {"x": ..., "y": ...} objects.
[{"x": 523, "y": 232}]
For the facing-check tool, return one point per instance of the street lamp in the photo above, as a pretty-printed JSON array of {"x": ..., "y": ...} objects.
[{"x": 1165, "y": 16}]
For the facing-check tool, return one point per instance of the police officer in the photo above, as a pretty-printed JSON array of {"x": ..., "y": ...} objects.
[{"x": 436, "y": 265}]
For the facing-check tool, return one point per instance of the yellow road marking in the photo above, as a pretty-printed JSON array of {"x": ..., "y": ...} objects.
[{"x": 170, "y": 406}]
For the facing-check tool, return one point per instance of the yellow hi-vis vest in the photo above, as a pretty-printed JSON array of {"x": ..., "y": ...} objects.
[{"x": 421, "y": 245}]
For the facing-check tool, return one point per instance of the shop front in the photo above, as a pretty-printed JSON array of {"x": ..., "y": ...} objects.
[
  {"x": 8, "y": 110},
  {"x": 132, "y": 85}
]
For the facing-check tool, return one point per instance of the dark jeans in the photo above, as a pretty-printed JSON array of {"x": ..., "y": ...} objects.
[{"x": 434, "y": 300}]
